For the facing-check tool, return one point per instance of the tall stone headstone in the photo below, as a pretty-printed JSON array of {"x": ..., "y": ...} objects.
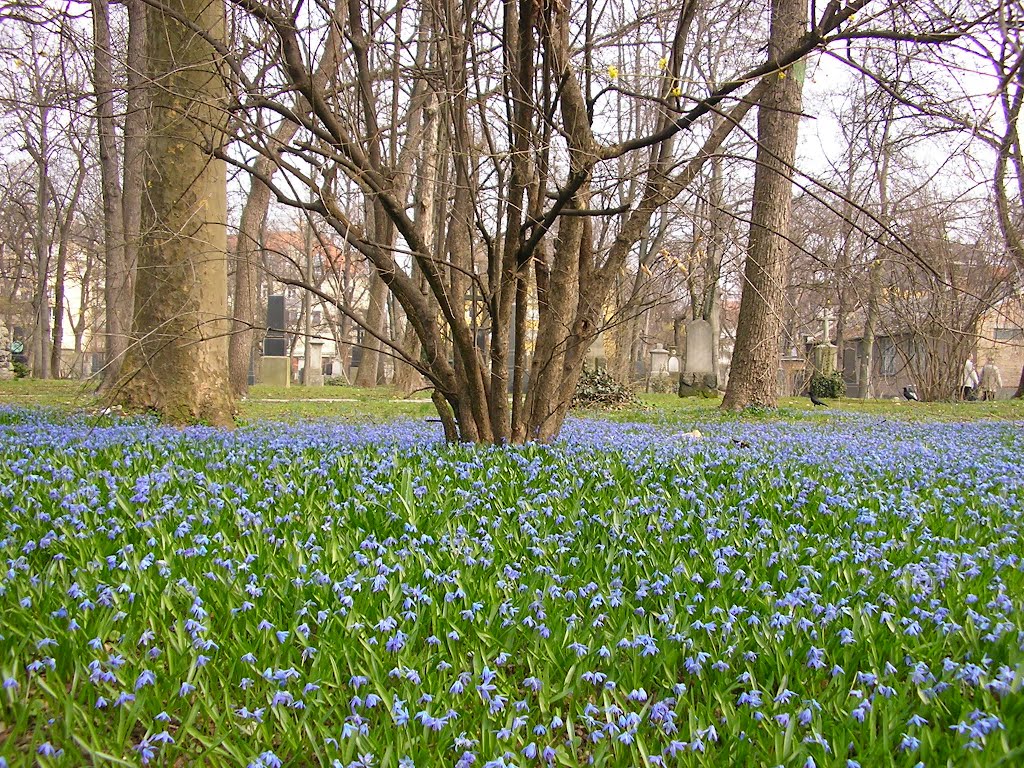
[
  {"x": 698, "y": 377},
  {"x": 275, "y": 344},
  {"x": 276, "y": 366},
  {"x": 313, "y": 374},
  {"x": 825, "y": 358},
  {"x": 6, "y": 371}
]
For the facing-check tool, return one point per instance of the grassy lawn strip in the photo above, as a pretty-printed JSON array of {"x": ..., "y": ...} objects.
[{"x": 381, "y": 403}]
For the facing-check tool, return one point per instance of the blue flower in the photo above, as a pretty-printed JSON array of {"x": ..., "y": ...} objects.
[{"x": 145, "y": 678}]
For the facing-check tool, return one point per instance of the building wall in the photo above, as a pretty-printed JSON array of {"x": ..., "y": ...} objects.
[
  {"x": 1001, "y": 336},
  {"x": 889, "y": 370},
  {"x": 1002, "y": 339}
]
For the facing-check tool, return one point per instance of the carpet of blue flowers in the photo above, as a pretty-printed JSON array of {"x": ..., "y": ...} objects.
[{"x": 297, "y": 595}]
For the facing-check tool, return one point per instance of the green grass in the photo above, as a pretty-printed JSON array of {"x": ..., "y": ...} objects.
[
  {"x": 264, "y": 403},
  {"x": 669, "y": 408},
  {"x": 334, "y": 392},
  {"x": 48, "y": 393}
]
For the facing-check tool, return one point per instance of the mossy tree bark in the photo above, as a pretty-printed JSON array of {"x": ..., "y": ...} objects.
[{"x": 177, "y": 364}]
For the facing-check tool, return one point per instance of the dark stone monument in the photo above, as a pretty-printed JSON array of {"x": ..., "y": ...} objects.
[
  {"x": 275, "y": 314},
  {"x": 276, "y": 366},
  {"x": 274, "y": 343}
]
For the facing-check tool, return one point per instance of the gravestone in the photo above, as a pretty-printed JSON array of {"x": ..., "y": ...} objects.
[
  {"x": 698, "y": 377},
  {"x": 275, "y": 314},
  {"x": 824, "y": 358},
  {"x": 312, "y": 374},
  {"x": 275, "y": 344},
  {"x": 6, "y": 371},
  {"x": 276, "y": 371},
  {"x": 659, "y": 361},
  {"x": 275, "y": 368}
]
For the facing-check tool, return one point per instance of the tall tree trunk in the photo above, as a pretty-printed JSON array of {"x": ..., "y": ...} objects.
[
  {"x": 1010, "y": 161},
  {"x": 307, "y": 299},
  {"x": 245, "y": 308},
  {"x": 110, "y": 187},
  {"x": 122, "y": 198},
  {"x": 366, "y": 375},
  {"x": 79, "y": 324},
  {"x": 753, "y": 377},
  {"x": 867, "y": 361},
  {"x": 177, "y": 363},
  {"x": 426, "y": 212},
  {"x": 867, "y": 364},
  {"x": 712, "y": 303},
  {"x": 66, "y": 216},
  {"x": 57, "y": 333},
  {"x": 136, "y": 124},
  {"x": 40, "y": 358}
]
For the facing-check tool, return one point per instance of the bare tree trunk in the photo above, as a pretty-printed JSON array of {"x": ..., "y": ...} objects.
[
  {"x": 247, "y": 250},
  {"x": 712, "y": 303},
  {"x": 867, "y": 360},
  {"x": 177, "y": 364},
  {"x": 307, "y": 299},
  {"x": 753, "y": 377},
  {"x": 110, "y": 186},
  {"x": 136, "y": 125},
  {"x": 867, "y": 365},
  {"x": 78, "y": 324},
  {"x": 1009, "y": 156},
  {"x": 122, "y": 199},
  {"x": 366, "y": 376},
  {"x": 426, "y": 212},
  {"x": 66, "y": 216},
  {"x": 59, "y": 274},
  {"x": 41, "y": 300}
]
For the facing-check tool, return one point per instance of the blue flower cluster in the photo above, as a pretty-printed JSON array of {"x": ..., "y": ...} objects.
[{"x": 357, "y": 596}]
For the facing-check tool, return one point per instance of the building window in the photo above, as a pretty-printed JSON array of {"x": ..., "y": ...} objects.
[
  {"x": 886, "y": 357},
  {"x": 1009, "y": 334}
]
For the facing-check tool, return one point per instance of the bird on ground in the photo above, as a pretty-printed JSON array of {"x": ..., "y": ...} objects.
[
  {"x": 911, "y": 394},
  {"x": 816, "y": 401}
]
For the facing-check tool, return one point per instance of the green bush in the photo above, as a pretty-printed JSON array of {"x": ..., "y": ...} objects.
[
  {"x": 20, "y": 369},
  {"x": 828, "y": 385},
  {"x": 597, "y": 389}
]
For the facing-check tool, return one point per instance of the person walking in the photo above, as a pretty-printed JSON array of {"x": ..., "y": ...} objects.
[
  {"x": 969, "y": 382},
  {"x": 991, "y": 380}
]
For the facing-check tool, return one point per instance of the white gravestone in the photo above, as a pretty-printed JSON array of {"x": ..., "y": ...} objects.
[
  {"x": 698, "y": 376},
  {"x": 314, "y": 375}
]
